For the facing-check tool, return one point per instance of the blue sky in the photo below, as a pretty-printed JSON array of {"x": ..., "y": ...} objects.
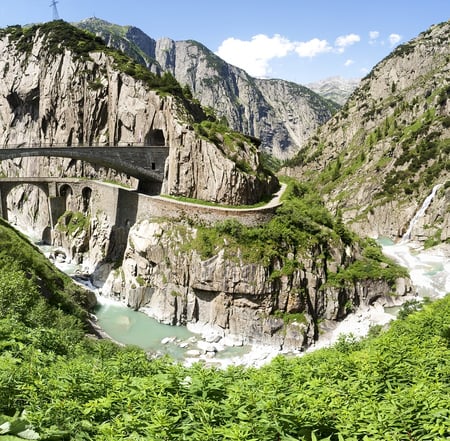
[{"x": 300, "y": 41}]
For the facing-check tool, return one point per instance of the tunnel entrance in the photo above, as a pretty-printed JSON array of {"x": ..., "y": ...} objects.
[{"x": 156, "y": 138}]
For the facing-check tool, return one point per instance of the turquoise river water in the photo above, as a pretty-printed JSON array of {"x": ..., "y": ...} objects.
[{"x": 129, "y": 327}]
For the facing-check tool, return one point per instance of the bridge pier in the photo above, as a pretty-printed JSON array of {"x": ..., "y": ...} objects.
[
  {"x": 3, "y": 205},
  {"x": 56, "y": 204},
  {"x": 57, "y": 207}
]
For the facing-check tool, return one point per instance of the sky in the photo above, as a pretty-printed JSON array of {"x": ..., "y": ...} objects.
[{"x": 296, "y": 40}]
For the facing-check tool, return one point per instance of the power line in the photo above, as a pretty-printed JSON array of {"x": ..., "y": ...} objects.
[{"x": 55, "y": 9}]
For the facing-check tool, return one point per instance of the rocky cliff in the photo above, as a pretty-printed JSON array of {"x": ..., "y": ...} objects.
[
  {"x": 58, "y": 85},
  {"x": 378, "y": 158},
  {"x": 282, "y": 114},
  {"x": 282, "y": 302}
]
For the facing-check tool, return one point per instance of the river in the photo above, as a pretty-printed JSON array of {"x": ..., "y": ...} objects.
[
  {"x": 429, "y": 272},
  {"x": 129, "y": 327}
]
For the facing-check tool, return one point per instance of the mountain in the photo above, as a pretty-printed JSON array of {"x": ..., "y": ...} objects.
[
  {"x": 281, "y": 114},
  {"x": 76, "y": 91},
  {"x": 283, "y": 282},
  {"x": 336, "y": 89},
  {"x": 379, "y": 157}
]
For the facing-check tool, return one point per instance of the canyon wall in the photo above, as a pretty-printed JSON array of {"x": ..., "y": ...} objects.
[{"x": 248, "y": 302}]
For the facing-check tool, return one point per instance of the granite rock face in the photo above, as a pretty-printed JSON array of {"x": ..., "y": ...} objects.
[{"x": 55, "y": 97}]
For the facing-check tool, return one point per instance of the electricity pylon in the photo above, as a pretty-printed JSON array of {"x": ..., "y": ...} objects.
[{"x": 55, "y": 9}]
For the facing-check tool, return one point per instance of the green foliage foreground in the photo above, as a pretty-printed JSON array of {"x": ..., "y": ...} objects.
[{"x": 57, "y": 384}]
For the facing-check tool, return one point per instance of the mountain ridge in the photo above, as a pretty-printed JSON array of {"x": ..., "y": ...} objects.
[
  {"x": 337, "y": 89},
  {"x": 382, "y": 153},
  {"x": 233, "y": 94}
]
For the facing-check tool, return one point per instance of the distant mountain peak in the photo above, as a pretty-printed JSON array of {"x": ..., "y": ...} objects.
[
  {"x": 335, "y": 88},
  {"x": 283, "y": 115}
]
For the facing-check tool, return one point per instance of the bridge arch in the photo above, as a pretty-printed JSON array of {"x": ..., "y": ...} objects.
[
  {"x": 18, "y": 210},
  {"x": 86, "y": 195},
  {"x": 65, "y": 190},
  {"x": 6, "y": 188},
  {"x": 66, "y": 194}
]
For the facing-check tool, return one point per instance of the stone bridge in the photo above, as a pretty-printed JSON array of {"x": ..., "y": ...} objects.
[
  {"x": 92, "y": 196},
  {"x": 146, "y": 163},
  {"x": 123, "y": 206}
]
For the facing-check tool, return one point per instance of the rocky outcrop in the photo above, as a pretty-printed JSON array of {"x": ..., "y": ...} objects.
[
  {"x": 381, "y": 155},
  {"x": 50, "y": 93},
  {"x": 29, "y": 210},
  {"x": 242, "y": 300},
  {"x": 280, "y": 113}
]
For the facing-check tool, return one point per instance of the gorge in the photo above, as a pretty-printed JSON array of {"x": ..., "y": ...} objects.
[
  {"x": 271, "y": 282},
  {"x": 271, "y": 279},
  {"x": 285, "y": 257}
]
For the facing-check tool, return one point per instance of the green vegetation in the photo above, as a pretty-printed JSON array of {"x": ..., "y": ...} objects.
[
  {"x": 111, "y": 32},
  {"x": 301, "y": 222},
  {"x": 270, "y": 162},
  {"x": 57, "y": 385},
  {"x": 301, "y": 225},
  {"x": 17, "y": 254},
  {"x": 74, "y": 222},
  {"x": 433, "y": 240},
  {"x": 372, "y": 266}
]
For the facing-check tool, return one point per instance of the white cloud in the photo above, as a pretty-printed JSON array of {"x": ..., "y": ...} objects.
[
  {"x": 394, "y": 39},
  {"x": 312, "y": 47},
  {"x": 373, "y": 35},
  {"x": 344, "y": 41},
  {"x": 253, "y": 56},
  {"x": 364, "y": 70},
  {"x": 348, "y": 63}
]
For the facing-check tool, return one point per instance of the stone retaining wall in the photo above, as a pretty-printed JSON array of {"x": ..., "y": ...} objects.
[{"x": 150, "y": 206}]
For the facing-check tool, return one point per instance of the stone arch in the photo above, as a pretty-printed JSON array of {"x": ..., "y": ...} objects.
[
  {"x": 27, "y": 206},
  {"x": 65, "y": 191},
  {"x": 7, "y": 188},
  {"x": 156, "y": 138}
]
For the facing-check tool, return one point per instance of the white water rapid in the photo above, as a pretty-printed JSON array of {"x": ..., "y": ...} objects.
[
  {"x": 420, "y": 212},
  {"x": 429, "y": 272},
  {"x": 429, "y": 269}
]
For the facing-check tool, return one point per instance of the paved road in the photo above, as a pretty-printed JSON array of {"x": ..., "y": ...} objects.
[{"x": 274, "y": 202}]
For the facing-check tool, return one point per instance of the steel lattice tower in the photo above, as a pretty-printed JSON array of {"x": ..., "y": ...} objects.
[{"x": 55, "y": 9}]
